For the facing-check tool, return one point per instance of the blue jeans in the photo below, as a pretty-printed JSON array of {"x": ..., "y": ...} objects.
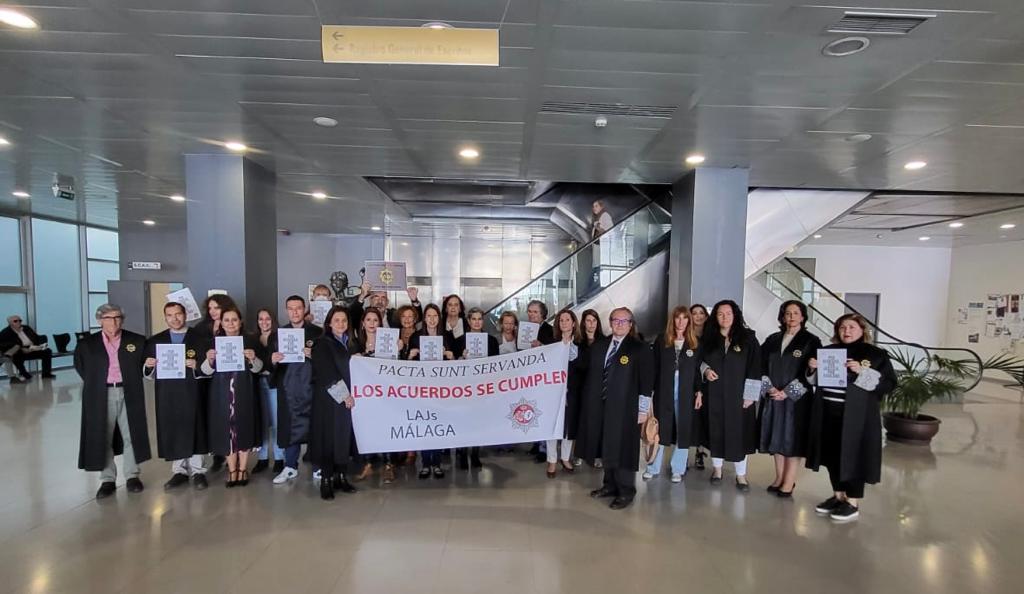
[
  {"x": 677, "y": 462},
  {"x": 269, "y": 408}
]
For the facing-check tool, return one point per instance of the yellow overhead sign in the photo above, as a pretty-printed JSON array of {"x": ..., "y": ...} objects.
[{"x": 409, "y": 45}]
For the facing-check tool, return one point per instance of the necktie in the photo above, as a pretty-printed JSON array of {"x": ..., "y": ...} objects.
[
  {"x": 607, "y": 368},
  {"x": 611, "y": 353}
]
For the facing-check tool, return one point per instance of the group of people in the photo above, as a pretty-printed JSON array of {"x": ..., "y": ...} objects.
[{"x": 707, "y": 380}]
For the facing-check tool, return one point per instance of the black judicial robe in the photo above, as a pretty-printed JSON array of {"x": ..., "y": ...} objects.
[
  {"x": 731, "y": 429},
  {"x": 783, "y": 423},
  {"x": 294, "y": 384},
  {"x": 180, "y": 407},
  {"x": 574, "y": 389},
  {"x": 861, "y": 455},
  {"x": 546, "y": 334},
  {"x": 677, "y": 425},
  {"x": 331, "y": 437},
  {"x": 247, "y": 410},
  {"x": 608, "y": 427},
  {"x": 91, "y": 363}
]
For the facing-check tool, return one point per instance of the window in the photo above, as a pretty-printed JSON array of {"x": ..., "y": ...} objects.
[
  {"x": 57, "y": 266},
  {"x": 10, "y": 252},
  {"x": 101, "y": 250}
]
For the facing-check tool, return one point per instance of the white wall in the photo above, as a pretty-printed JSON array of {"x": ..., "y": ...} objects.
[
  {"x": 977, "y": 271},
  {"x": 912, "y": 282}
]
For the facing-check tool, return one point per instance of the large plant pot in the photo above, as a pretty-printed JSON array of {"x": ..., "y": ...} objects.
[{"x": 919, "y": 431}]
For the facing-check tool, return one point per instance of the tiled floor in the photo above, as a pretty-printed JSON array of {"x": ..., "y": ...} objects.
[{"x": 949, "y": 519}]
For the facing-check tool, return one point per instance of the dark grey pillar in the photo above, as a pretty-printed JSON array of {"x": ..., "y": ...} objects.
[
  {"x": 232, "y": 230},
  {"x": 709, "y": 230}
]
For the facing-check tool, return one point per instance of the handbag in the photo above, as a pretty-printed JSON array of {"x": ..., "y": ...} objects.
[{"x": 649, "y": 438}]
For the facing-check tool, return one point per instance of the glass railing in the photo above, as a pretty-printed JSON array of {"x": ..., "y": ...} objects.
[
  {"x": 593, "y": 266},
  {"x": 787, "y": 280}
]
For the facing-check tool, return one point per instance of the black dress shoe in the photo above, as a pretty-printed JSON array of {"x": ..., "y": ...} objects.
[
  {"x": 344, "y": 486},
  {"x": 602, "y": 492},
  {"x": 218, "y": 463},
  {"x": 742, "y": 487},
  {"x": 326, "y": 488},
  {"x": 260, "y": 466},
  {"x": 785, "y": 494},
  {"x": 772, "y": 489},
  {"x": 620, "y": 502},
  {"x": 438, "y": 472},
  {"x": 199, "y": 482},
  {"x": 278, "y": 467},
  {"x": 106, "y": 490},
  {"x": 177, "y": 479},
  {"x": 716, "y": 480},
  {"x": 134, "y": 485},
  {"x": 425, "y": 472}
]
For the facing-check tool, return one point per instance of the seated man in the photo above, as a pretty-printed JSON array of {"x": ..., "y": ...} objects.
[{"x": 21, "y": 344}]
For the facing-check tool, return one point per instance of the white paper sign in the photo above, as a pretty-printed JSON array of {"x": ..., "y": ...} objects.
[
  {"x": 527, "y": 334},
  {"x": 832, "y": 368},
  {"x": 385, "y": 276},
  {"x": 319, "y": 309},
  {"x": 416, "y": 405},
  {"x": 431, "y": 348},
  {"x": 476, "y": 345},
  {"x": 290, "y": 342},
  {"x": 184, "y": 297},
  {"x": 229, "y": 353},
  {"x": 170, "y": 361},
  {"x": 386, "y": 345}
]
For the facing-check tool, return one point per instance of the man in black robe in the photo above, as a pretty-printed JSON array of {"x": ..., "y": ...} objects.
[
  {"x": 180, "y": 411},
  {"x": 379, "y": 300},
  {"x": 293, "y": 383},
  {"x": 113, "y": 401},
  {"x": 616, "y": 398}
]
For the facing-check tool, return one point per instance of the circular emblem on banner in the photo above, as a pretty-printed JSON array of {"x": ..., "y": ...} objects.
[
  {"x": 865, "y": 363},
  {"x": 798, "y": 353},
  {"x": 524, "y": 414},
  {"x": 689, "y": 352},
  {"x": 624, "y": 360},
  {"x": 190, "y": 354},
  {"x": 737, "y": 348},
  {"x": 386, "y": 276},
  {"x": 130, "y": 347}
]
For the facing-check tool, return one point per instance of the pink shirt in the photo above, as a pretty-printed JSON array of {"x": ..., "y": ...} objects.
[{"x": 114, "y": 367}]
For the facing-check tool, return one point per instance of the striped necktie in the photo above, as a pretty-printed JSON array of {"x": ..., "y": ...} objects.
[{"x": 608, "y": 367}]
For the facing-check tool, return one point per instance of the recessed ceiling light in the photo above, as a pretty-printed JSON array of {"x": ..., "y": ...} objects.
[
  {"x": 17, "y": 19},
  {"x": 238, "y": 147},
  {"x": 375, "y": 228},
  {"x": 436, "y": 25},
  {"x": 847, "y": 46},
  {"x": 469, "y": 153},
  {"x": 20, "y": 194},
  {"x": 325, "y": 122},
  {"x": 148, "y": 222},
  {"x": 955, "y": 225},
  {"x": 1007, "y": 226},
  {"x": 4, "y": 141},
  {"x": 915, "y": 165},
  {"x": 178, "y": 198},
  {"x": 817, "y": 235},
  {"x": 923, "y": 238},
  {"x": 319, "y": 195},
  {"x": 858, "y": 138},
  {"x": 405, "y": 243},
  {"x": 695, "y": 159}
]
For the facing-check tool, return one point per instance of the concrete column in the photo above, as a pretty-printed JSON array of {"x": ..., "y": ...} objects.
[
  {"x": 232, "y": 230},
  {"x": 709, "y": 226}
]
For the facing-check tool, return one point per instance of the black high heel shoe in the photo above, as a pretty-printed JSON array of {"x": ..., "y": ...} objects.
[
  {"x": 232, "y": 481},
  {"x": 326, "y": 488},
  {"x": 785, "y": 494},
  {"x": 243, "y": 478}
]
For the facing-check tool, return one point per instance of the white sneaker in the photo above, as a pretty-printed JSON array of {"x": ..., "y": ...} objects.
[
  {"x": 316, "y": 475},
  {"x": 598, "y": 463},
  {"x": 677, "y": 478},
  {"x": 647, "y": 476},
  {"x": 286, "y": 475}
]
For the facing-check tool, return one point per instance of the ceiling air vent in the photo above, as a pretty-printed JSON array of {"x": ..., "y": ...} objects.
[
  {"x": 878, "y": 23},
  {"x": 609, "y": 109}
]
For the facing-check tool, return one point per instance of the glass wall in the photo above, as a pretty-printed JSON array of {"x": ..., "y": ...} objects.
[
  {"x": 101, "y": 266},
  {"x": 10, "y": 253},
  {"x": 57, "y": 270}
]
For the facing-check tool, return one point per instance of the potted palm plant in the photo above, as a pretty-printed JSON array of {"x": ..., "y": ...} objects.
[{"x": 919, "y": 380}]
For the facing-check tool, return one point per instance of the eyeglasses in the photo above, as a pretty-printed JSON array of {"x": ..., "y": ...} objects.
[
  {"x": 620, "y": 321},
  {"x": 112, "y": 317},
  {"x": 15, "y": 321}
]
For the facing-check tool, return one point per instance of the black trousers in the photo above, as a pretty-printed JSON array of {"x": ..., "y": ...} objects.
[
  {"x": 832, "y": 450},
  {"x": 621, "y": 482},
  {"x": 44, "y": 356}
]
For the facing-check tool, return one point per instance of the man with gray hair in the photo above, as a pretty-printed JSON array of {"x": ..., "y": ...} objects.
[
  {"x": 113, "y": 401},
  {"x": 21, "y": 343}
]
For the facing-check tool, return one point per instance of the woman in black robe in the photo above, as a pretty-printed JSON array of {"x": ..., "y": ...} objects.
[
  {"x": 431, "y": 459},
  {"x": 331, "y": 440},
  {"x": 233, "y": 413},
  {"x": 208, "y": 328},
  {"x": 846, "y": 424},
  {"x": 699, "y": 317},
  {"x": 475, "y": 321},
  {"x": 785, "y": 411},
  {"x": 732, "y": 357},
  {"x": 677, "y": 396},
  {"x": 569, "y": 334}
]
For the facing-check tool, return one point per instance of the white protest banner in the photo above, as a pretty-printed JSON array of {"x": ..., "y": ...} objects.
[
  {"x": 290, "y": 342},
  {"x": 527, "y": 334},
  {"x": 170, "y": 361},
  {"x": 405, "y": 406},
  {"x": 185, "y": 297},
  {"x": 832, "y": 368},
  {"x": 386, "y": 343},
  {"x": 229, "y": 353}
]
